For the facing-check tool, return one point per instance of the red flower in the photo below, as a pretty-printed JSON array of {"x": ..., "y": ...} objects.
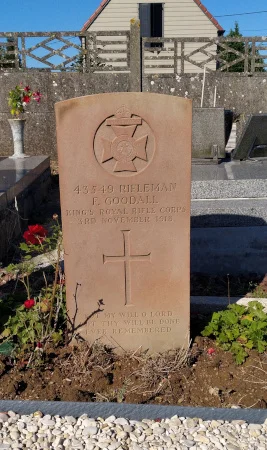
[
  {"x": 27, "y": 88},
  {"x": 38, "y": 229},
  {"x": 39, "y": 345},
  {"x": 210, "y": 351},
  {"x": 29, "y": 303},
  {"x": 35, "y": 234},
  {"x": 37, "y": 96},
  {"x": 26, "y": 99}
]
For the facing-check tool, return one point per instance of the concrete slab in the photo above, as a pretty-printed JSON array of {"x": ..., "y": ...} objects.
[
  {"x": 231, "y": 170},
  {"x": 247, "y": 170},
  {"x": 208, "y": 172},
  {"x": 234, "y": 250},
  {"x": 211, "y": 304},
  {"x": 24, "y": 184},
  {"x": 228, "y": 213},
  {"x": 231, "y": 189},
  {"x": 132, "y": 412},
  {"x": 17, "y": 174}
]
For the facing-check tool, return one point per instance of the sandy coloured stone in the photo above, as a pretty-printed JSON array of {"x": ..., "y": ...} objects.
[{"x": 125, "y": 174}]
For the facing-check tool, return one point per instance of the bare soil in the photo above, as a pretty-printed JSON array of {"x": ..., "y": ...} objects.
[{"x": 90, "y": 374}]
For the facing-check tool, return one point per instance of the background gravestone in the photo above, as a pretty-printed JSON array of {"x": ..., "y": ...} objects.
[
  {"x": 253, "y": 140},
  {"x": 211, "y": 131},
  {"x": 125, "y": 175}
]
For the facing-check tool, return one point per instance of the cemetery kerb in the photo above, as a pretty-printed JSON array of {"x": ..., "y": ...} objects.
[{"x": 125, "y": 179}]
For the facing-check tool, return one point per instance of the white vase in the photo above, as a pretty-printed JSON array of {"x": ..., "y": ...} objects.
[{"x": 17, "y": 128}]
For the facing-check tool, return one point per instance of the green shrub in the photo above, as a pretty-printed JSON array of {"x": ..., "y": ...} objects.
[{"x": 238, "y": 329}]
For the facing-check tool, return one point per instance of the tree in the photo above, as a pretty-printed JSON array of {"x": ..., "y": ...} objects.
[
  {"x": 79, "y": 64},
  {"x": 229, "y": 56},
  {"x": 7, "y": 55}
]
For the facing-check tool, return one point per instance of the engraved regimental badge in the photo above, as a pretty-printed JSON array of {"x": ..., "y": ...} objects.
[{"x": 124, "y": 144}]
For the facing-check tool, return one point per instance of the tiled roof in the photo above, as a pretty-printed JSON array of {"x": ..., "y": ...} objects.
[
  {"x": 94, "y": 16},
  {"x": 104, "y": 3},
  {"x": 209, "y": 15}
]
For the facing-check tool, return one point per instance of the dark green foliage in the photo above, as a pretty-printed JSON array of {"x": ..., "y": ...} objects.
[
  {"x": 7, "y": 55},
  {"x": 6, "y": 348},
  {"x": 79, "y": 65},
  {"x": 239, "y": 328},
  {"x": 229, "y": 56}
]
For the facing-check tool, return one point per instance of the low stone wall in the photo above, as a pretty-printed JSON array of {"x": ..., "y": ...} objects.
[
  {"x": 40, "y": 127},
  {"x": 239, "y": 92},
  {"x": 242, "y": 93}
]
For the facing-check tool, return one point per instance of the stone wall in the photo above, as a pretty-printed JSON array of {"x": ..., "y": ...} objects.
[
  {"x": 40, "y": 128},
  {"x": 239, "y": 92},
  {"x": 243, "y": 93}
]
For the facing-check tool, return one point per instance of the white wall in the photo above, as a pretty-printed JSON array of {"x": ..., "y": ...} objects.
[{"x": 181, "y": 18}]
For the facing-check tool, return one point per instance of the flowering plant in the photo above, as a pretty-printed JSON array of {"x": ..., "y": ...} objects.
[
  {"x": 239, "y": 329},
  {"x": 35, "y": 234},
  {"x": 20, "y": 97},
  {"x": 38, "y": 320},
  {"x": 29, "y": 303}
]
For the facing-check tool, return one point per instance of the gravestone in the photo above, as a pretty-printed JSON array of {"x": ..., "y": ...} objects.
[
  {"x": 125, "y": 172},
  {"x": 211, "y": 131},
  {"x": 253, "y": 140}
]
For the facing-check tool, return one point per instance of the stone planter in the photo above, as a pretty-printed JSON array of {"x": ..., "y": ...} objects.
[{"x": 17, "y": 128}]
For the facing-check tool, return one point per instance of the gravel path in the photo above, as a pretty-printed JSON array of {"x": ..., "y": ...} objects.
[{"x": 36, "y": 431}]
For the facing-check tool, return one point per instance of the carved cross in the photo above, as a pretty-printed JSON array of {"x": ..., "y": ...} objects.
[{"x": 126, "y": 258}]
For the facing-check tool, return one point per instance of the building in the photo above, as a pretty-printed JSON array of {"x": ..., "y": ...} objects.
[{"x": 171, "y": 18}]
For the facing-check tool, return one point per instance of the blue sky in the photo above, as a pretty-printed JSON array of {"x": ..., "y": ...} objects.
[{"x": 70, "y": 15}]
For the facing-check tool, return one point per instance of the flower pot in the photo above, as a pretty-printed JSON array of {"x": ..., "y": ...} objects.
[{"x": 17, "y": 128}]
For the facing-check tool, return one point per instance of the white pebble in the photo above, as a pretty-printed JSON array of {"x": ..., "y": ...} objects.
[
  {"x": 121, "y": 421},
  {"x": 110, "y": 419},
  {"x": 32, "y": 428},
  {"x": 90, "y": 431},
  {"x": 3, "y": 418},
  {"x": 254, "y": 426},
  {"x": 48, "y": 433}
]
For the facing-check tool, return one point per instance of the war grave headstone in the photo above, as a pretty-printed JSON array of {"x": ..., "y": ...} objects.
[{"x": 125, "y": 176}]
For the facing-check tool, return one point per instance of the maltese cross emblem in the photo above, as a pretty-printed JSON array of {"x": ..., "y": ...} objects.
[{"x": 124, "y": 148}]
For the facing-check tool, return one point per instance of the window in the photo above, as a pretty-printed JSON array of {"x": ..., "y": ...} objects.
[{"x": 151, "y": 20}]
